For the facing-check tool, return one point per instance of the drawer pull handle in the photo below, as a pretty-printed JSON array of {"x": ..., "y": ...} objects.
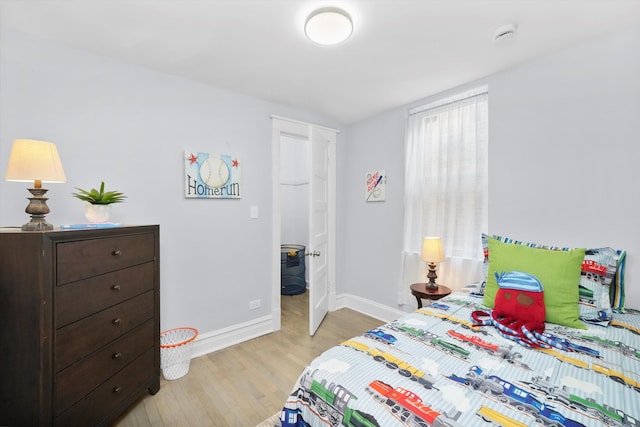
[
  {"x": 117, "y": 356},
  {"x": 117, "y": 389},
  {"x": 117, "y": 321},
  {"x": 115, "y": 288},
  {"x": 117, "y": 252}
]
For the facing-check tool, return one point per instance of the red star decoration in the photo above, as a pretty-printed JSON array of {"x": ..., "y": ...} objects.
[
  {"x": 193, "y": 158},
  {"x": 235, "y": 163}
]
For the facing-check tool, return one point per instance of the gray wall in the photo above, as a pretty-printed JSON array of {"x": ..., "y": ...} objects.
[
  {"x": 563, "y": 156},
  {"x": 129, "y": 126},
  {"x": 563, "y": 163},
  {"x": 372, "y": 231}
]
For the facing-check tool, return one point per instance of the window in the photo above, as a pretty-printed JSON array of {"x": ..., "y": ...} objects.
[{"x": 446, "y": 187}]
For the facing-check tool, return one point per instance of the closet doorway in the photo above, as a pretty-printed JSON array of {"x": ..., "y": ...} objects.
[
  {"x": 320, "y": 248},
  {"x": 294, "y": 231}
]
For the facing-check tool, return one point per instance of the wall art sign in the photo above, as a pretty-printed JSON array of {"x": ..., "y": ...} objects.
[
  {"x": 376, "y": 186},
  {"x": 208, "y": 176}
]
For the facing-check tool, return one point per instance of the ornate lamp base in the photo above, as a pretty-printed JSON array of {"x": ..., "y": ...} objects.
[
  {"x": 37, "y": 208},
  {"x": 431, "y": 285}
]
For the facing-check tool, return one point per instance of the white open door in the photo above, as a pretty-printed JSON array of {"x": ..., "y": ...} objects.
[
  {"x": 322, "y": 217},
  {"x": 320, "y": 251}
]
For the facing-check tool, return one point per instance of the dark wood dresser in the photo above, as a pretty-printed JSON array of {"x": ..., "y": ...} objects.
[{"x": 79, "y": 324}]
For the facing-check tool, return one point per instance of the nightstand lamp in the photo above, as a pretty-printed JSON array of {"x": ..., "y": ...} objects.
[
  {"x": 432, "y": 253},
  {"x": 36, "y": 161}
]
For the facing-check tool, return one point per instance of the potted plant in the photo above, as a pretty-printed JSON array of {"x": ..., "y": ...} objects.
[{"x": 100, "y": 201}]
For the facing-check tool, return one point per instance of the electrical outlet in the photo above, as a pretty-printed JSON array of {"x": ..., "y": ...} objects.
[{"x": 254, "y": 304}]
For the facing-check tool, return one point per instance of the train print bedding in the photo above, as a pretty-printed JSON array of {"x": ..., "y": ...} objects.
[{"x": 433, "y": 368}]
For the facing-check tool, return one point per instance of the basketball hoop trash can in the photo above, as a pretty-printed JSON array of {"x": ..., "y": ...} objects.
[{"x": 175, "y": 351}]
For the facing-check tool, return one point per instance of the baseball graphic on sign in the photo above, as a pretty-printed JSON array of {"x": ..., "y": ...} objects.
[
  {"x": 214, "y": 172},
  {"x": 208, "y": 176}
]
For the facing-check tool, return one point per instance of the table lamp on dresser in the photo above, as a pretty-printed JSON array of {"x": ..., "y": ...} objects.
[{"x": 37, "y": 162}]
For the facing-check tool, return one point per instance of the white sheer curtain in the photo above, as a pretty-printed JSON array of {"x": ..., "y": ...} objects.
[{"x": 446, "y": 189}]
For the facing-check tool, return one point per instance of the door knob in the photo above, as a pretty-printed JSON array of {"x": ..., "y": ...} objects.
[{"x": 314, "y": 253}]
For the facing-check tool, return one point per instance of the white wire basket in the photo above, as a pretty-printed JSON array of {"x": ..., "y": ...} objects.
[{"x": 175, "y": 351}]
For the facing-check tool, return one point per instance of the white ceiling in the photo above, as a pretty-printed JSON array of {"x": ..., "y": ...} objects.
[{"x": 400, "y": 51}]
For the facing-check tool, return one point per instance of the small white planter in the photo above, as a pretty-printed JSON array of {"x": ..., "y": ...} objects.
[{"x": 97, "y": 213}]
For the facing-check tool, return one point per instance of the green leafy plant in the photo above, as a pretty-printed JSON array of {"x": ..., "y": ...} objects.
[{"x": 101, "y": 197}]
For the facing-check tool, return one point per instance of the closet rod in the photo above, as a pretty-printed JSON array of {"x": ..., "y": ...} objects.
[{"x": 295, "y": 183}]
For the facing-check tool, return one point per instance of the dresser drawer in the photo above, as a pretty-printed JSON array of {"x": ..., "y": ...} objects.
[
  {"x": 86, "y": 258},
  {"x": 80, "y": 299},
  {"x": 103, "y": 400},
  {"x": 79, "y": 339},
  {"x": 104, "y": 363}
]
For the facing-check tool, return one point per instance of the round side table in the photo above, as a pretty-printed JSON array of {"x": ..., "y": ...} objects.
[{"x": 420, "y": 291}]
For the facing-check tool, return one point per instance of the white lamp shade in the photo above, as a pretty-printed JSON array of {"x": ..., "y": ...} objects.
[
  {"x": 328, "y": 25},
  {"x": 32, "y": 160},
  {"x": 432, "y": 250}
]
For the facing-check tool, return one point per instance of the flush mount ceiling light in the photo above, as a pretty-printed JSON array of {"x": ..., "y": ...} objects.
[{"x": 328, "y": 25}]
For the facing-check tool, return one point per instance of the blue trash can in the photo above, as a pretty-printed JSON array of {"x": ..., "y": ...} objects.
[{"x": 292, "y": 269}]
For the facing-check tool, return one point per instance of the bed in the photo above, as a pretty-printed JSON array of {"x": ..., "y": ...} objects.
[{"x": 433, "y": 367}]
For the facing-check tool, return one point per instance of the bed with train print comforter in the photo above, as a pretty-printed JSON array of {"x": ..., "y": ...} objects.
[{"x": 433, "y": 368}]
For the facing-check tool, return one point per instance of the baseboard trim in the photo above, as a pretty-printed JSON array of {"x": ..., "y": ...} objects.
[
  {"x": 368, "y": 307},
  {"x": 226, "y": 337}
]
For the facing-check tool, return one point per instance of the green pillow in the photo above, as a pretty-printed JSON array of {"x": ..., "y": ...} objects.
[{"x": 558, "y": 271}]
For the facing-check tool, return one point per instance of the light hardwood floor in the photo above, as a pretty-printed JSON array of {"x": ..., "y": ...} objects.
[{"x": 242, "y": 385}]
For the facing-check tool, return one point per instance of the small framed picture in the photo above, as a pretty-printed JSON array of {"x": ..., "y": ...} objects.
[
  {"x": 208, "y": 176},
  {"x": 376, "y": 186}
]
